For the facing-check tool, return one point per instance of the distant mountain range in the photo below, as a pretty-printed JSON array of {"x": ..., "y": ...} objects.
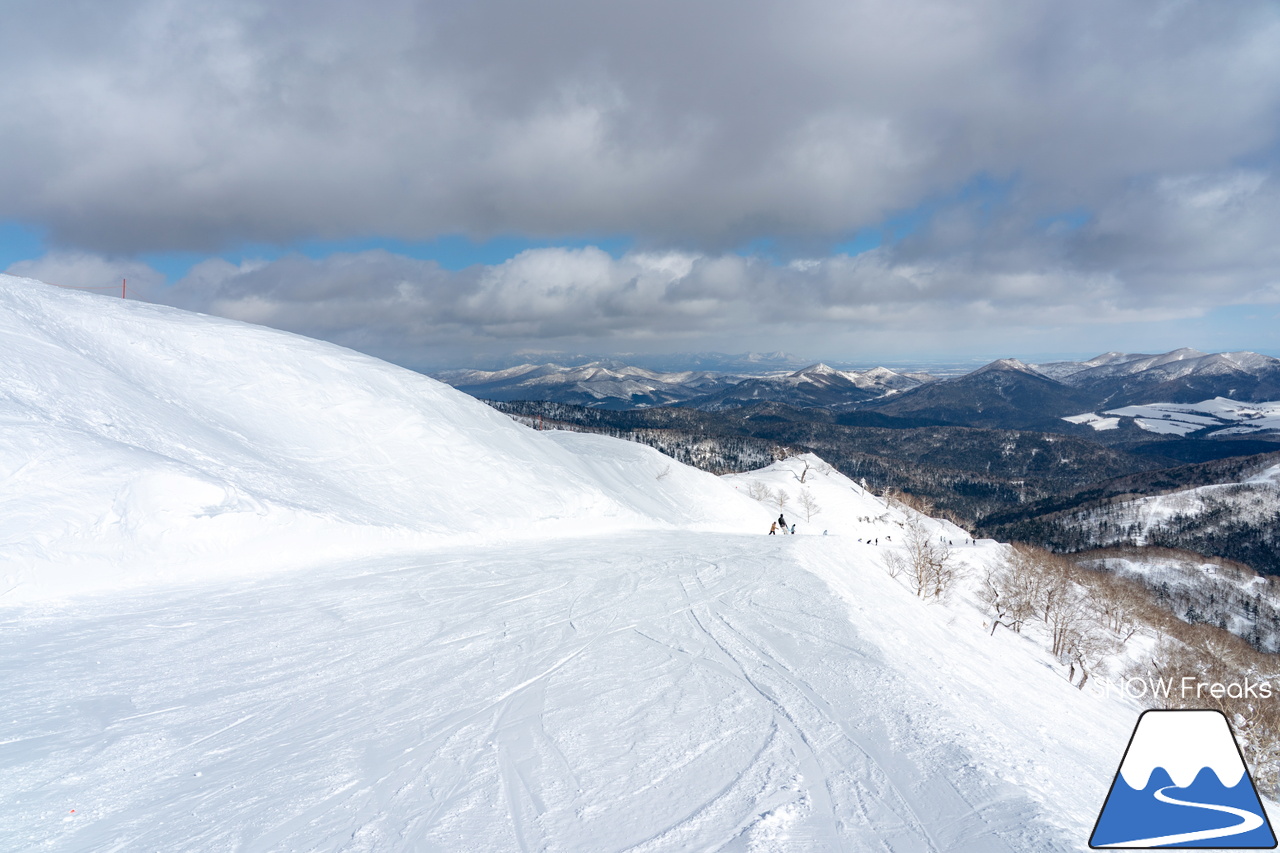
[
  {"x": 1003, "y": 394},
  {"x": 601, "y": 384},
  {"x": 612, "y": 385},
  {"x": 1182, "y": 376},
  {"x": 1009, "y": 393},
  {"x": 816, "y": 386}
]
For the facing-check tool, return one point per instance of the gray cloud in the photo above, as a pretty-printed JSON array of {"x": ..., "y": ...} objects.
[
  {"x": 145, "y": 125},
  {"x": 89, "y": 271},
  {"x": 1021, "y": 287}
]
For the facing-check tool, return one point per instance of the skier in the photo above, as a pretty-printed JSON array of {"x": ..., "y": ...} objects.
[
  {"x": 782, "y": 522},
  {"x": 773, "y": 530},
  {"x": 793, "y": 530}
]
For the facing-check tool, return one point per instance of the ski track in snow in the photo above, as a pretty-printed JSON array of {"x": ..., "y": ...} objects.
[{"x": 551, "y": 698}]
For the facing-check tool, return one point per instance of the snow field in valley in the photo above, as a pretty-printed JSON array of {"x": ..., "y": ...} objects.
[
  {"x": 1233, "y": 418},
  {"x": 263, "y": 593}
]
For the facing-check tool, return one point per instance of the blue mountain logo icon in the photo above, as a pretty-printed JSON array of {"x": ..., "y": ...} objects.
[{"x": 1183, "y": 783}]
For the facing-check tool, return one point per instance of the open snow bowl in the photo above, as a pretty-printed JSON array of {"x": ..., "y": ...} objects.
[{"x": 140, "y": 443}]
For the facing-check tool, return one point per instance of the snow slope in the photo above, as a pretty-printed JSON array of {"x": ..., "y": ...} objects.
[
  {"x": 653, "y": 692},
  {"x": 633, "y": 665},
  {"x": 837, "y": 505},
  {"x": 141, "y": 442}
]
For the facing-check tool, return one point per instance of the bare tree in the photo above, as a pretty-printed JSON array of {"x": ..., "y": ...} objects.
[
  {"x": 781, "y": 498},
  {"x": 808, "y": 504},
  {"x": 760, "y": 492},
  {"x": 1050, "y": 581},
  {"x": 1120, "y": 604},
  {"x": 1007, "y": 593},
  {"x": 1067, "y": 617},
  {"x": 894, "y": 563},
  {"x": 1085, "y": 646},
  {"x": 930, "y": 566}
]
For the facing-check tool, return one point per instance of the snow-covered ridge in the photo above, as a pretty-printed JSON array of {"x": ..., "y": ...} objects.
[
  {"x": 616, "y": 385},
  {"x": 880, "y": 379},
  {"x": 1177, "y": 363},
  {"x": 141, "y": 442},
  {"x": 1229, "y": 416}
]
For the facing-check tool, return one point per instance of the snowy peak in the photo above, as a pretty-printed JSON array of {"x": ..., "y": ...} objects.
[
  {"x": 818, "y": 369},
  {"x": 1004, "y": 393},
  {"x": 821, "y": 374},
  {"x": 890, "y": 381},
  {"x": 1008, "y": 364}
]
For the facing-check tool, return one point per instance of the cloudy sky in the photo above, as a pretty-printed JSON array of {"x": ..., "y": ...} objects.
[{"x": 451, "y": 183}]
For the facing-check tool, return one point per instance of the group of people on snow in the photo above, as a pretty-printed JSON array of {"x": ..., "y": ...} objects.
[{"x": 781, "y": 522}]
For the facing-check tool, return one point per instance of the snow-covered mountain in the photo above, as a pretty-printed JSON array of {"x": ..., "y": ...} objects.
[
  {"x": 488, "y": 639},
  {"x": 1181, "y": 376},
  {"x": 817, "y": 385},
  {"x": 1010, "y": 393},
  {"x": 604, "y": 384},
  {"x": 614, "y": 385},
  {"x": 1004, "y": 393}
]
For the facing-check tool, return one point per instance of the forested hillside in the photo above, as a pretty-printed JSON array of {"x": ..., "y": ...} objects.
[{"x": 1068, "y": 493}]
